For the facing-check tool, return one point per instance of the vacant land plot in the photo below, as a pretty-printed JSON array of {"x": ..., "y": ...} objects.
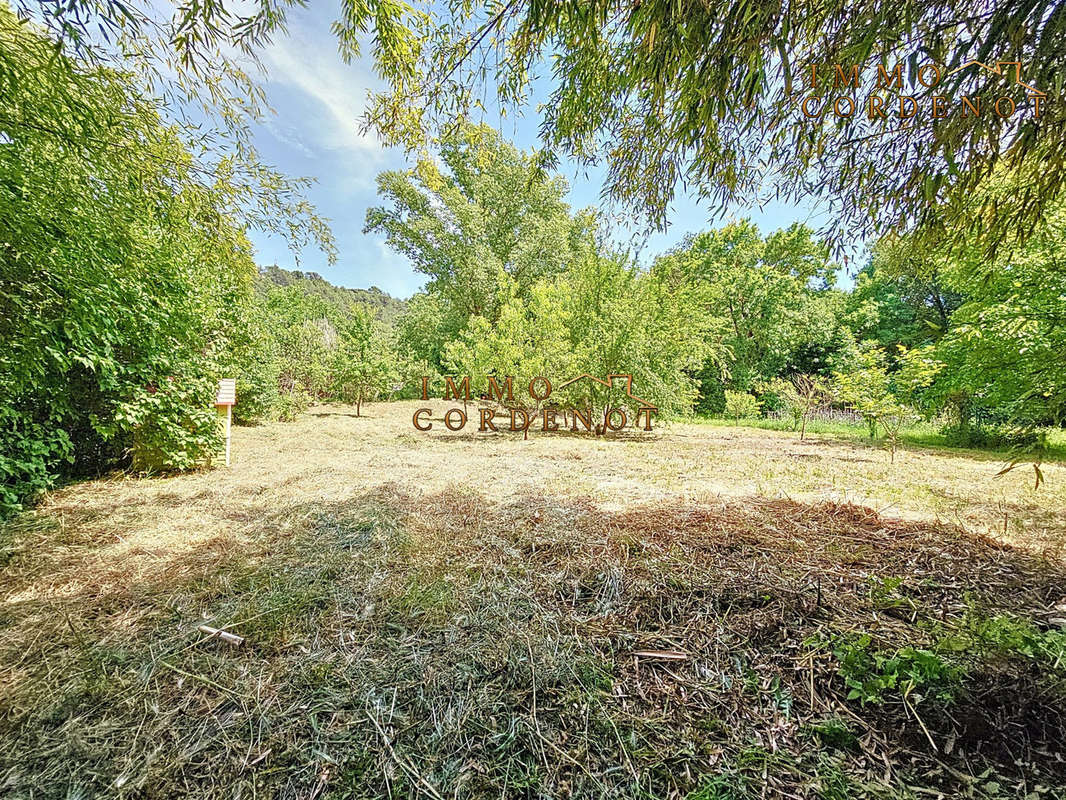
[{"x": 699, "y": 611}]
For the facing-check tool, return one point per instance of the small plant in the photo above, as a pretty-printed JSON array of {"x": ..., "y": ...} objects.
[
  {"x": 293, "y": 403},
  {"x": 799, "y": 396},
  {"x": 833, "y": 732},
  {"x": 1007, "y": 636},
  {"x": 911, "y": 673},
  {"x": 741, "y": 405},
  {"x": 885, "y": 593}
]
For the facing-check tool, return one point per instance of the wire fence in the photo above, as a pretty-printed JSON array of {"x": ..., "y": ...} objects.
[{"x": 845, "y": 415}]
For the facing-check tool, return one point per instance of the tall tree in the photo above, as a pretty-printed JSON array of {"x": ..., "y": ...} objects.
[{"x": 768, "y": 301}]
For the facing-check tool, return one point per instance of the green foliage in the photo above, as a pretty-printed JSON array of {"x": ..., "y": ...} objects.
[
  {"x": 362, "y": 368},
  {"x": 175, "y": 426},
  {"x": 486, "y": 215},
  {"x": 1004, "y": 636},
  {"x": 833, "y": 732},
  {"x": 631, "y": 85},
  {"x": 767, "y": 305},
  {"x": 126, "y": 280},
  {"x": 520, "y": 287},
  {"x": 741, "y": 405},
  {"x": 876, "y": 395},
  {"x": 293, "y": 402},
  {"x": 911, "y": 674},
  {"x": 29, "y": 455},
  {"x": 383, "y": 307}
]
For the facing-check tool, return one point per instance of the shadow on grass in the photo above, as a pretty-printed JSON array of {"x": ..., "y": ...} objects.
[{"x": 455, "y": 643}]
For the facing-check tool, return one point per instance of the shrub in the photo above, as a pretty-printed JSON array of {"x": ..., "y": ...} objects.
[
  {"x": 741, "y": 405},
  {"x": 29, "y": 456},
  {"x": 175, "y": 424},
  {"x": 294, "y": 403}
]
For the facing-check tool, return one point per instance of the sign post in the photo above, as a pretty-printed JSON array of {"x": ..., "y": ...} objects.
[{"x": 227, "y": 399}]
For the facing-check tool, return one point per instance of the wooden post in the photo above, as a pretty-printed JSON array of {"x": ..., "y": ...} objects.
[{"x": 227, "y": 398}]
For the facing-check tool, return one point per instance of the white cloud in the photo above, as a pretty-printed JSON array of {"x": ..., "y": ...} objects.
[{"x": 308, "y": 62}]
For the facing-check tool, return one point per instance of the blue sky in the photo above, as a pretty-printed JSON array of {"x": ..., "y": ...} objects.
[{"x": 315, "y": 132}]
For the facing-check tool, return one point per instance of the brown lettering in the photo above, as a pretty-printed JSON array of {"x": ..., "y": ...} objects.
[
  {"x": 883, "y": 80},
  {"x": 448, "y": 419},
  {"x": 450, "y": 391},
  {"x": 999, "y": 113}
]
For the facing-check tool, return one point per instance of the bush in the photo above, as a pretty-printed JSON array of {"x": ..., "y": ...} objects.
[
  {"x": 292, "y": 404},
  {"x": 29, "y": 457},
  {"x": 989, "y": 437},
  {"x": 741, "y": 405},
  {"x": 175, "y": 424}
]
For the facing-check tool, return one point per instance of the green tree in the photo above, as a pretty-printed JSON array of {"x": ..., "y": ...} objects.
[
  {"x": 646, "y": 87},
  {"x": 125, "y": 276},
  {"x": 767, "y": 302},
  {"x": 800, "y": 395},
  {"x": 362, "y": 367},
  {"x": 488, "y": 213},
  {"x": 741, "y": 405}
]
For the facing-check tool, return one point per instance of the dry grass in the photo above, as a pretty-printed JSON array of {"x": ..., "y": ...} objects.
[{"x": 450, "y": 615}]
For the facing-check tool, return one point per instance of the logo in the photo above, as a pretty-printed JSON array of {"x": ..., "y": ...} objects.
[
  {"x": 889, "y": 98},
  {"x": 567, "y": 406}
]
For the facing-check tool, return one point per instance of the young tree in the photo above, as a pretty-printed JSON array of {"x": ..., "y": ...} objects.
[
  {"x": 800, "y": 394},
  {"x": 881, "y": 397},
  {"x": 866, "y": 388},
  {"x": 361, "y": 366},
  {"x": 741, "y": 405}
]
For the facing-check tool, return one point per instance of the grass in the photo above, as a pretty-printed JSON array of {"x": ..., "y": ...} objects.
[
  {"x": 921, "y": 434},
  {"x": 441, "y": 615}
]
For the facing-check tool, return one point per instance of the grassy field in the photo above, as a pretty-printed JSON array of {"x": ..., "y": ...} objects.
[
  {"x": 921, "y": 434},
  {"x": 703, "y": 611}
]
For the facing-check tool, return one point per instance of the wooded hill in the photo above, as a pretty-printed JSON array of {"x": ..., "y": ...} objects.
[{"x": 385, "y": 308}]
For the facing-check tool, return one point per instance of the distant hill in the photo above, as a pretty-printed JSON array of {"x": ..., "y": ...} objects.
[{"x": 384, "y": 306}]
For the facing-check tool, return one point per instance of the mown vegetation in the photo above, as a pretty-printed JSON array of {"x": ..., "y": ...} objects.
[
  {"x": 697, "y": 613},
  {"x": 436, "y": 614}
]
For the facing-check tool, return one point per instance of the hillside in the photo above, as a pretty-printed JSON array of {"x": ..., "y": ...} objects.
[{"x": 385, "y": 307}]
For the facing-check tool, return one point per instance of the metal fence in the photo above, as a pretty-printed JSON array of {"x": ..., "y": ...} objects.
[{"x": 845, "y": 415}]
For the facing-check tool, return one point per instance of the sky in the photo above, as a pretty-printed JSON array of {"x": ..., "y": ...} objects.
[{"x": 318, "y": 100}]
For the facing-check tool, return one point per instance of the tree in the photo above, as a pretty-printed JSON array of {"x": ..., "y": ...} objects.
[
  {"x": 882, "y": 398},
  {"x": 800, "y": 395},
  {"x": 361, "y": 364},
  {"x": 741, "y": 405},
  {"x": 649, "y": 88},
  {"x": 767, "y": 302},
  {"x": 489, "y": 213},
  {"x": 702, "y": 93},
  {"x": 900, "y": 298},
  {"x": 866, "y": 388},
  {"x": 125, "y": 277},
  {"x": 1000, "y": 349}
]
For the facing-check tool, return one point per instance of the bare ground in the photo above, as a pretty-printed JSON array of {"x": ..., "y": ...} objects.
[{"x": 459, "y": 614}]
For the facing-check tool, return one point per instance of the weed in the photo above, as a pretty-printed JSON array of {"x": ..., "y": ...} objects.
[
  {"x": 911, "y": 673},
  {"x": 833, "y": 732}
]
